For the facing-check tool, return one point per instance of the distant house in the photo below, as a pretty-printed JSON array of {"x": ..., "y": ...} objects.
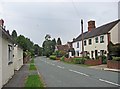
[
  {"x": 6, "y": 55},
  {"x": 97, "y": 39},
  {"x": 67, "y": 48},
  {"x": 18, "y": 57}
]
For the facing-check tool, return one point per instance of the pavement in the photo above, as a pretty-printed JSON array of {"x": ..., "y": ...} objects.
[
  {"x": 19, "y": 77},
  {"x": 104, "y": 67},
  {"x": 60, "y": 74}
]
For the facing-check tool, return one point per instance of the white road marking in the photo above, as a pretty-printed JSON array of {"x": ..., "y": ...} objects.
[
  {"x": 109, "y": 82},
  {"x": 60, "y": 67},
  {"x": 52, "y": 64},
  {"x": 78, "y": 72}
]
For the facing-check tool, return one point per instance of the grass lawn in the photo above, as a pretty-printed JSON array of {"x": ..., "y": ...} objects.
[
  {"x": 32, "y": 67},
  {"x": 33, "y": 81}
]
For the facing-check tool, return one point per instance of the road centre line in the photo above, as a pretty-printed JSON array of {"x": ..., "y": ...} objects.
[
  {"x": 78, "y": 72},
  {"x": 60, "y": 67},
  {"x": 109, "y": 82}
]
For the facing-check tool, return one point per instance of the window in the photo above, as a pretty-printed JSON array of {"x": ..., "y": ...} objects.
[
  {"x": 77, "y": 53},
  {"x": 85, "y": 43},
  {"x": 9, "y": 54},
  {"x": 101, "y": 39},
  {"x": 96, "y": 39},
  {"x": 77, "y": 44},
  {"x": 101, "y": 52},
  {"x": 90, "y": 41}
]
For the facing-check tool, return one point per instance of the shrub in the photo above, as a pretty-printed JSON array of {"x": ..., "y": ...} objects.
[
  {"x": 104, "y": 59},
  {"x": 53, "y": 57},
  {"x": 116, "y": 58},
  {"x": 79, "y": 60},
  {"x": 62, "y": 58}
]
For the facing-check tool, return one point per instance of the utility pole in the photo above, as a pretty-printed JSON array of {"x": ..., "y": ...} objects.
[{"x": 82, "y": 38}]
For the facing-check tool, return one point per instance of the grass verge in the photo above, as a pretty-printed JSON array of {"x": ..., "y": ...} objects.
[
  {"x": 32, "y": 67},
  {"x": 33, "y": 81}
]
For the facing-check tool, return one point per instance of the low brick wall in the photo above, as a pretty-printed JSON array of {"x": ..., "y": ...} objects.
[
  {"x": 113, "y": 64},
  {"x": 93, "y": 62},
  {"x": 67, "y": 59},
  {"x": 57, "y": 58}
]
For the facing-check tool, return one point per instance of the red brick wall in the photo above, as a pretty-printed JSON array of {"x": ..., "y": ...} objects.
[
  {"x": 93, "y": 62},
  {"x": 113, "y": 64}
]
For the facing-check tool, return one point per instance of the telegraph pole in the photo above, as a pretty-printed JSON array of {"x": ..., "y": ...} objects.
[{"x": 82, "y": 38}]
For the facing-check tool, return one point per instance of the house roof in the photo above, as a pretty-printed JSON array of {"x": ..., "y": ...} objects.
[
  {"x": 97, "y": 31},
  {"x": 62, "y": 47},
  {"x": 6, "y": 35}
]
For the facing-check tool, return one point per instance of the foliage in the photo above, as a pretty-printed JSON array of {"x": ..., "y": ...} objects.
[
  {"x": 87, "y": 57},
  {"x": 48, "y": 47},
  {"x": 79, "y": 60},
  {"x": 37, "y": 50},
  {"x": 104, "y": 59},
  {"x": 47, "y": 37},
  {"x": 32, "y": 67},
  {"x": 53, "y": 57},
  {"x": 14, "y": 35},
  {"x": 59, "y": 41},
  {"x": 33, "y": 81},
  {"x": 62, "y": 58},
  {"x": 116, "y": 58}
]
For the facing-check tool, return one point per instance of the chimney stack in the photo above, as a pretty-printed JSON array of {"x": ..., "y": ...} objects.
[
  {"x": 2, "y": 22},
  {"x": 91, "y": 25}
]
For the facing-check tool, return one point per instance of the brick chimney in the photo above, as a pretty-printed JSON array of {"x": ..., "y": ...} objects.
[
  {"x": 91, "y": 25},
  {"x": 2, "y": 22}
]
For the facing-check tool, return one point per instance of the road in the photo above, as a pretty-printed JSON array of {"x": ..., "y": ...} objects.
[{"x": 60, "y": 74}]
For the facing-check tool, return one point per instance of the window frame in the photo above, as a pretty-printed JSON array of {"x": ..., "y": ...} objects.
[
  {"x": 102, "y": 39},
  {"x": 96, "y": 40},
  {"x": 77, "y": 44},
  {"x": 90, "y": 41},
  {"x": 10, "y": 54}
]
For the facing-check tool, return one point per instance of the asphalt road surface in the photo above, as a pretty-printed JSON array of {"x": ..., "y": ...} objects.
[{"x": 59, "y": 74}]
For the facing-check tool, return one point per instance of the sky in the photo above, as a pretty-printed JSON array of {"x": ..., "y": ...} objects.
[{"x": 59, "y": 18}]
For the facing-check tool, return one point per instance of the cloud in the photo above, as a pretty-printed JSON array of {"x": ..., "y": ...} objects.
[{"x": 36, "y": 19}]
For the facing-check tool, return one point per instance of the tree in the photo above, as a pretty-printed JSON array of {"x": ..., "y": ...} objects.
[
  {"x": 14, "y": 34},
  {"x": 47, "y": 37},
  {"x": 48, "y": 46},
  {"x": 59, "y": 41},
  {"x": 36, "y": 49}
]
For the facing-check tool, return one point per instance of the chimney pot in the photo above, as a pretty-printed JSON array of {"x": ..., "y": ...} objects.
[
  {"x": 2, "y": 22},
  {"x": 91, "y": 25}
]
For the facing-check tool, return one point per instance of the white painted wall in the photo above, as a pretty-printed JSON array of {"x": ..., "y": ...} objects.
[
  {"x": 115, "y": 33},
  {"x": 96, "y": 46},
  {"x": 0, "y": 58},
  {"x": 18, "y": 57},
  {"x": 77, "y": 49},
  {"x": 7, "y": 70}
]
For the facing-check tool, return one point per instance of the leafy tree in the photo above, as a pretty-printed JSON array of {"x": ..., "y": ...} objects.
[
  {"x": 59, "y": 41},
  {"x": 14, "y": 34},
  {"x": 47, "y": 37}
]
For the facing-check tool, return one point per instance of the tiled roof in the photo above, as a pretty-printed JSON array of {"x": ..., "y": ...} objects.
[
  {"x": 63, "y": 47},
  {"x": 97, "y": 31},
  {"x": 6, "y": 34}
]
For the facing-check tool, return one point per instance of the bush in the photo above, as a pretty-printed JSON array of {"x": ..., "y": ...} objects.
[
  {"x": 104, "y": 59},
  {"x": 53, "y": 57},
  {"x": 79, "y": 60},
  {"x": 116, "y": 58},
  {"x": 62, "y": 58}
]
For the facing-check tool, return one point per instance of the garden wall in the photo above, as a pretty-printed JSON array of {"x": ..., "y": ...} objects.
[
  {"x": 93, "y": 62},
  {"x": 113, "y": 64}
]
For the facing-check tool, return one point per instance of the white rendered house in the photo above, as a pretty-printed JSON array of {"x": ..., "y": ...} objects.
[
  {"x": 97, "y": 39},
  {"x": 18, "y": 57}
]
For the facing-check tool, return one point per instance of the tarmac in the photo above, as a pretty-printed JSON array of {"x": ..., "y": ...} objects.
[{"x": 19, "y": 78}]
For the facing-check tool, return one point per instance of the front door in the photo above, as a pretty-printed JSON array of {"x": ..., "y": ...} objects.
[{"x": 96, "y": 53}]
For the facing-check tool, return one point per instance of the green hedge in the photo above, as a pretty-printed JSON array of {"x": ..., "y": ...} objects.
[
  {"x": 53, "y": 57},
  {"x": 116, "y": 58},
  {"x": 79, "y": 60}
]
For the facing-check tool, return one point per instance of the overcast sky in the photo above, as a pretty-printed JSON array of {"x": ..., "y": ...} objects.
[{"x": 59, "y": 18}]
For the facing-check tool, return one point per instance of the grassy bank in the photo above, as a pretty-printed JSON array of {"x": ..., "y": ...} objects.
[{"x": 34, "y": 81}]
